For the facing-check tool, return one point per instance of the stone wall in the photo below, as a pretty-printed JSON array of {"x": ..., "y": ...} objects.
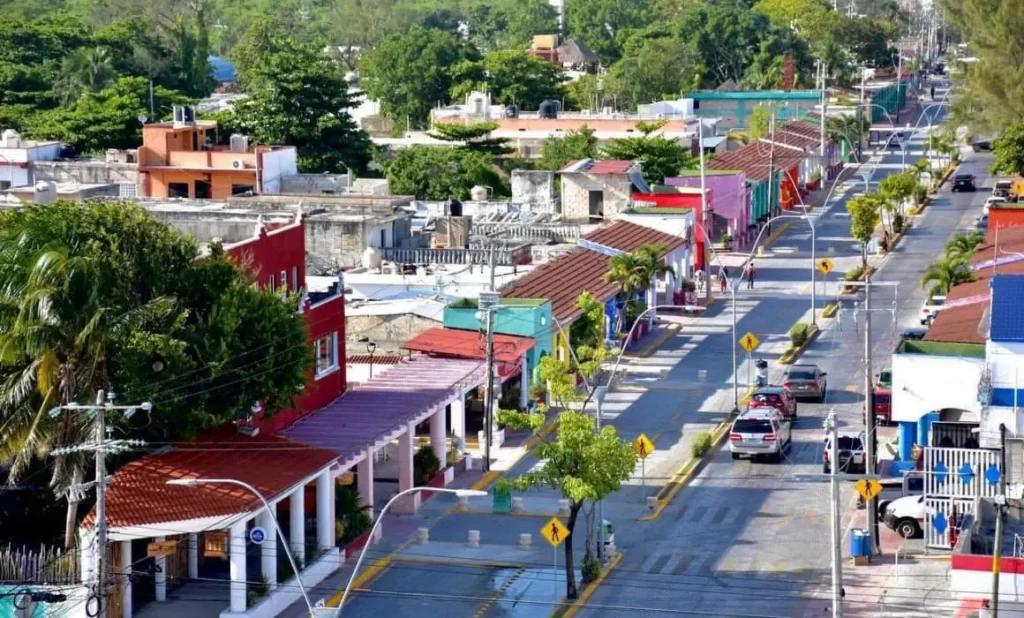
[
  {"x": 576, "y": 190},
  {"x": 331, "y": 245},
  {"x": 389, "y": 331},
  {"x": 536, "y": 188},
  {"x": 84, "y": 172}
]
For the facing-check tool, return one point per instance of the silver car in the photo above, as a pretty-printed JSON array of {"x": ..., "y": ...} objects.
[
  {"x": 806, "y": 382},
  {"x": 762, "y": 432}
]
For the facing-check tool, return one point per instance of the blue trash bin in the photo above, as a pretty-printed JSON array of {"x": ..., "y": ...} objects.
[{"x": 859, "y": 542}]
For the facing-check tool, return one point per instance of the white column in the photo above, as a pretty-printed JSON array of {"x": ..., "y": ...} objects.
[
  {"x": 236, "y": 553},
  {"x": 193, "y": 555},
  {"x": 87, "y": 555},
  {"x": 408, "y": 504},
  {"x": 459, "y": 420},
  {"x": 297, "y": 510},
  {"x": 161, "y": 573},
  {"x": 126, "y": 568},
  {"x": 268, "y": 551},
  {"x": 364, "y": 472},
  {"x": 324, "y": 498},
  {"x": 652, "y": 302},
  {"x": 438, "y": 433},
  {"x": 524, "y": 384}
]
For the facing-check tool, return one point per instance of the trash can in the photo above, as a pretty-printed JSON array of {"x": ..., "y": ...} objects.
[
  {"x": 860, "y": 543},
  {"x": 609, "y": 532}
]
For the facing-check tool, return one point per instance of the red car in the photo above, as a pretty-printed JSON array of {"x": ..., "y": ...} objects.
[
  {"x": 883, "y": 406},
  {"x": 777, "y": 397}
]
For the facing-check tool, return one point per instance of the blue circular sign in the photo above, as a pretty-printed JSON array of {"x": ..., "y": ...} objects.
[{"x": 257, "y": 535}]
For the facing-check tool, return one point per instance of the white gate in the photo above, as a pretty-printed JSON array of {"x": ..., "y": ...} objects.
[{"x": 953, "y": 479}]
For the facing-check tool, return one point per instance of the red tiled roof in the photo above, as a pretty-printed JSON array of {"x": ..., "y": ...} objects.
[
  {"x": 563, "y": 279},
  {"x": 599, "y": 166},
  {"x": 140, "y": 497},
  {"x": 961, "y": 324},
  {"x": 802, "y": 127},
  {"x": 794, "y": 140},
  {"x": 752, "y": 160},
  {"x": 469, "y": 344},
  {"x": 628, "y": 237},
  {"x": 376, "y": 359}
]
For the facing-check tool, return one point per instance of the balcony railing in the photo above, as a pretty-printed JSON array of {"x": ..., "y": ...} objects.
[{"x": 502, "y": 257}]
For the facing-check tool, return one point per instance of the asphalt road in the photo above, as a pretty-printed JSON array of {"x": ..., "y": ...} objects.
[{"x": 751, "y": 539}]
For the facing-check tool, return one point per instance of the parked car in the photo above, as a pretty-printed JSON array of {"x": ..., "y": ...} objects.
[
  {"x": 911, "y": 484},
  {"x": 931, "y": 308},
  {"x": 981, "y": 223},
  {"x": 913, "y": 334},
  {"x": 852, "y": 459},
  {"x": 778, "y": 397},
  {"x": 982, "y": 145},
  {"x": 990, "y": 201},
  {"x": 760, "y": 433},
  {"x": 806, "y": 381},
  {"x": 884, "y": 378},
  {"x": 906, "y": 516},
  {"x": 964, "y": 182}
]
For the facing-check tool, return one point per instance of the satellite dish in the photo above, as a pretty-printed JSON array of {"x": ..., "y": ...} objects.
[
  {"x": 143, "y": 118},
  {"x": 961, "y": 132}
]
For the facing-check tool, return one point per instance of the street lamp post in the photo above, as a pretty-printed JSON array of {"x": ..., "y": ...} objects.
[
  {"x": 469, "y": 493},
  {"x": 371, "y": 348},
  {"x": 313, "y": 610}
]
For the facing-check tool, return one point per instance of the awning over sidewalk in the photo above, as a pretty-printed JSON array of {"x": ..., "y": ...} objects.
[{"x": 374, "y": 413}]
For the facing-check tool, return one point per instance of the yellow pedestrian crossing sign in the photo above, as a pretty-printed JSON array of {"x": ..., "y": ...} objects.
[
  {"x": 749, "y": 342},
  {"x": 868, "y": 489},
  {"x": 825, "y": 266},
  {"x": 554, "y": 531},
  {"x": 643, "y": 446}
]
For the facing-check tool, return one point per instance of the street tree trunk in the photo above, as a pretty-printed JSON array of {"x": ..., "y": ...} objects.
[
  {"x": 570, "y": 567},
  {"x": 71, "y": 519}
]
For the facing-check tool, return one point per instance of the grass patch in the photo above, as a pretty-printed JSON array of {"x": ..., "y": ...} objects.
[
  {"x": 829, "y": 310},
  {"x": 702, "y": 444}
]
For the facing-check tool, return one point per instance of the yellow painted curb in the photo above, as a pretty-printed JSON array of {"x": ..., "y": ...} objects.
[
  {"x": 711, "y": 301},
  {"x": 792, "y": 354},
  {"x": 544, "y": 432},
  {"x": 829, "y": 310},
  {"x": 654, "y": 345},
  {"x": 589, "y": 590},
  {"x": 371, "y": 573},
  {"x": 745, "y": 399},
  {"x": 500, "y": 593},
  {"x": 777, "y": 233},
  {"x": 682, "y": 477},
  {"x": 485, "y": 481}
]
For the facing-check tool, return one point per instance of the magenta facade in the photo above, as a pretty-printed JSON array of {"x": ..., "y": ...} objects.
[{"x": 732, "y": 200}]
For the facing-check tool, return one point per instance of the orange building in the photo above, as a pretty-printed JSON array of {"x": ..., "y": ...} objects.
[{"x": 177, "y": 160}]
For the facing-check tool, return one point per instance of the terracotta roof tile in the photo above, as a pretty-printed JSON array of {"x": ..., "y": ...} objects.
[
  {"x": 563, "y": 279},
  {"x": 793, "y": 140},
  {"x": 469, "y": 344},
  {"x": 752, "y": 160},
  {"x": 376, "y": 359},
  {"x": 802, "y": 127},
  {"x": 626, "y": 236},
  {"x": 139, "y": 495}
]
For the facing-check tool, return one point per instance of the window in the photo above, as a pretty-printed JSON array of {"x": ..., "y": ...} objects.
[
  {"x": 273, "y": 283},
  {"x": 325, "y": 351},
  {"x": 177, "y": 189},
  {"x": 241, "y": 189},
  {"x": 295, "y": 278},
  {"x": 751, "y": 425},
  {"x": 284, "y": 280}
]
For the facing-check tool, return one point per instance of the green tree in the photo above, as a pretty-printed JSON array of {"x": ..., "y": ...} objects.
[
  {"x": 411, "y": 73},
  {"x": 655, "y": 69},
  {"x": 574, "y": 145},
  {"x": 760, "y": 121},
  {"x": 511, "y": 77},
  {"x": 588, "y": 329},
  {"x": 864, "y": 218},
  {"x": 727, "y": 36},
  {"x": 941, "y": 276},
  {"x": 581, "y": 463},
  {"x": 298, "y": 96},
  {"x": 432, "y": 173},
  {"x": 86, "y": 70},
  {"x": 659, "y": 157},
  {"x": 1009, "y": 150},
  {"x": 604, "y": 25},
  {"x": 961, "y": 246},
  {"x": 474, "y": 136},
  {"x": 93, "y": 296},
  {"x": 510, "y": 24},
  {"x": 896, "y": 189}
]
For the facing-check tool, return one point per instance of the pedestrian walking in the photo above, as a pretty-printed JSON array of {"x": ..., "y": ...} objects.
[
  {"x": 723, "y": 277},
  {"x": 750, "y": 276}
]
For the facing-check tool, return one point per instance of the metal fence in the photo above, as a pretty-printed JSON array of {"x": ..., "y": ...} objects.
[
  {"x": 954, "y": 478},
  {"x": 46, "y": 566}
]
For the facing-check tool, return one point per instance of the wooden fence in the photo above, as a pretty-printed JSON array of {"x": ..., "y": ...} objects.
[{"x": 48, "y": 565}]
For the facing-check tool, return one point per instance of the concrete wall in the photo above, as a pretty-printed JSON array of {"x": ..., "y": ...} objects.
[
  {"x": 923, "y": 383},
  {"x": 576, "y": 190},
  {"x": 389, "y": 331},
  {"x": 278, "y": 164},
  {"x": 83, "y": 172},
  {"x": 533, "y": 187},
  {"x": 315, "y": 183}
]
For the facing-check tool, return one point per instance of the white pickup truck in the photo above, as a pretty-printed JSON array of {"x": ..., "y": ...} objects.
[{"x": 906, "y": 516}]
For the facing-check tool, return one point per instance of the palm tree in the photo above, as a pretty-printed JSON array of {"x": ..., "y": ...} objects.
[
  {"x": 943, "y": 275},
  {"x": 844, "y": 128},
  {"x": 57, "y": 327},
  {"x": 962, "y": 245},
  {"x": 86, "y": 70},
  {"x": 631, "y": 273}
]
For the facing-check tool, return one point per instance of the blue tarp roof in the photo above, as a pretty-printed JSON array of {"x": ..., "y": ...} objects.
[
  {"x": 223, "y": 71},
  {"x": 1007, "y": 308}
]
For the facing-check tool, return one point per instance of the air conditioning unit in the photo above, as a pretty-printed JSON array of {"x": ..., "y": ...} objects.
[{"x": 237, "y": 164}]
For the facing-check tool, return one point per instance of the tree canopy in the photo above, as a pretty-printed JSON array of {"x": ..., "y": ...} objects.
[
  {"x": 571, "y": 146},
  {"x": 660, "y": 157},
  {"x": 432, "y": 173},
  {"x": 1009, "y": 150},
  {"x": 511, "y": 77}
]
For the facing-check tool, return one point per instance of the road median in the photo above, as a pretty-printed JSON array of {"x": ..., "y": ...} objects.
[
  {"x": 567, "y": 610},
  {"x": 810, "y": 333}
]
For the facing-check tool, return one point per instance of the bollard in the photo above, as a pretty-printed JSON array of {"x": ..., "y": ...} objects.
[
  {"x": 525, "y": 541},
  {"x": 517, "y": 504},
  {"x": 474, "y": 538},
  {"x": 609, "y": 552},
  {"x": 760, "y": 250},
  {"x": 652, "y": 502},
  {"x": 422, "y": 536},
  {"x": 702, "y": 375},
  {"x": 462, "y": 503},
  {"x": 563, "y": 508}
]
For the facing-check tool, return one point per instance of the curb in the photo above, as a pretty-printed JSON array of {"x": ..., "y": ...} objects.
[
  {"x": 670, "y": 331},
  {"x": 569, "y": 612},
  {"x": 829, "y": 310},
  {"x": 681, "y": 478},
  {"x": 777, "y": 234},
  {"x": 480, "y": 613},
  {"x": 792, "y": 354},
  {"x": 848, "y": 290},
  {"x": 371, "y": 573}
]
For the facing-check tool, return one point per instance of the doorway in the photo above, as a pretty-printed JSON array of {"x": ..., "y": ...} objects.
[
  {"x": 596, "y": 205},
  {"x": 203, "y": 190}
]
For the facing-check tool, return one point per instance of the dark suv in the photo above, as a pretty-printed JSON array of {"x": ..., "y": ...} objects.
[{"x": 963, "y": 182}]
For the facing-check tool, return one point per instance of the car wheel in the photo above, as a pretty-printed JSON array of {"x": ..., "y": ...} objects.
[
  {"x": 735, "y": 456},
  {"x": 908, "y": 528},
  {"x": 881, "y": 509},
  {"x": 825, "y": 470}
]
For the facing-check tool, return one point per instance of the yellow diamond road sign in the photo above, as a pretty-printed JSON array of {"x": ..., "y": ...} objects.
[
  {"x": 868, "y": 489},
  {"x": 749, "y": 342},
  {"x": 643, "y": 446},
  {"x": 554, "y": 531},
  {"x": 825, "y": 266}
]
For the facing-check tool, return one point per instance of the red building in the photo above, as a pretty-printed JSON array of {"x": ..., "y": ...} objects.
[
  {"x": 276, "y": 257},
  {"x": 673, "y": 197}
]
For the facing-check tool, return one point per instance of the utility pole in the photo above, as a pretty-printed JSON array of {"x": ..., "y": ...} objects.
[
  {"x": 489, "y": 398},
  {"x": 704, "y": 211},
  {"x": 869, "y": 415},
  {"x": 101, "y": 447},
  {"x": 837, "y": 559},
  {"x": 1000, "y": 505},
  {"x": 771, "y": 168},
  {"x": 824, "y": 111}
]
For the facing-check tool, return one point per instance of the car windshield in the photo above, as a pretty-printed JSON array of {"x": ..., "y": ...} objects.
[
  {"x": 938, "y": 301},
  {"x": 962, "y": 177},
  {"x": 767, "y": 398},
  {"x": 850, "y": 444},
  {"x": 802, "y": 374},
  {"x": 915, "y": 484},
  {"x": 752, "y": 425},
  {"x": 885, "y": 377}
]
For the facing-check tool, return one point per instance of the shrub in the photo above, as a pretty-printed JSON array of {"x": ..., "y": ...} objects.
[
  {"x": 425, "y": 465},
  {"x": 798, "y": 334},
  {"x": 466, "y": 303},
  {"x": 539, "y": 391},
  {"x": 702, "y": 444},
  {"x": 920, "y": 192},
  {"x": 590, "y": 569},
  {"x": 854, "y": 273},
  {"x": 897, "y": 223}
]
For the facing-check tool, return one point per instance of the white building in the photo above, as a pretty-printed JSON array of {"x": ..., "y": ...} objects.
[{"x": 16, "y": 154}]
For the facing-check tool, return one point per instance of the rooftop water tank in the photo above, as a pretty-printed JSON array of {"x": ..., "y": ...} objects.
[
  {"x": 371, "y": 258},
  {"x": 478, "y": 193},
  {"x": 548, "y": 109},
  {"x": 10, "y": 139}
]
